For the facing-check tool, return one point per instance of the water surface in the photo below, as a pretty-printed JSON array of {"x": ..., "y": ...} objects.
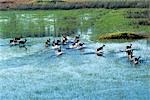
[{"x": 36, "y": 73}]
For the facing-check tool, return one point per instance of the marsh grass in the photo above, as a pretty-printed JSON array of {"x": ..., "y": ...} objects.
[
  {"x": 70, "y": 22},
  {"x": 138, "y": 14}
]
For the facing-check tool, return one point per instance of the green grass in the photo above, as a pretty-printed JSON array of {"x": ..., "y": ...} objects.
[
  {"x": 115, "y": 22},
  {"x": 100, "y": 21}
]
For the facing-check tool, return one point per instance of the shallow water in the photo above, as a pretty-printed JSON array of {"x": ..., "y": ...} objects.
[
  {"x": 36, "y": 73},
  {"x": 45, "y": 23}
]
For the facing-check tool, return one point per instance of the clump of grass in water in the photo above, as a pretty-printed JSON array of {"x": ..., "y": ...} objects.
[{"x": 121, "y": 35}]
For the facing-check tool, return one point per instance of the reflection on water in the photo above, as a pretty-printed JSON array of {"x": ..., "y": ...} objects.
[{"x": 39, "y": 23}]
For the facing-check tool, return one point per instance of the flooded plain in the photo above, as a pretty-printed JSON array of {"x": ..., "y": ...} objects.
[{"x": 36, "y": 73}]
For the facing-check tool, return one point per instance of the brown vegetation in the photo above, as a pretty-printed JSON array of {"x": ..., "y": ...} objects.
[
  {"x": 6, "y": 4},
  {"x": 122, "y": 35},
  {"x": 29, "y": 5}
]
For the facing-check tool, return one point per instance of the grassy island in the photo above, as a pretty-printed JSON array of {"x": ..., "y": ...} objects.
[{"x": 122, "y": 35}]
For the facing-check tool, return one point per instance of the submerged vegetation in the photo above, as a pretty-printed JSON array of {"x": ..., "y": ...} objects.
[{"x": 84, "y": 21}]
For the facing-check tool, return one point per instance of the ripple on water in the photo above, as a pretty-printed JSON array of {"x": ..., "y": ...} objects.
[{"x": 36, "y": 73}]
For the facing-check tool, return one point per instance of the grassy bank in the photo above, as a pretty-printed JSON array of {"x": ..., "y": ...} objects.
[{"x": 118, "y": 25}]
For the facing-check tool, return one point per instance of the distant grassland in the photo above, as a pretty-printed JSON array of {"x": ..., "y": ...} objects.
[
  {"x": 75, "y": 4},
  {"x": 87, "y": 0}
]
